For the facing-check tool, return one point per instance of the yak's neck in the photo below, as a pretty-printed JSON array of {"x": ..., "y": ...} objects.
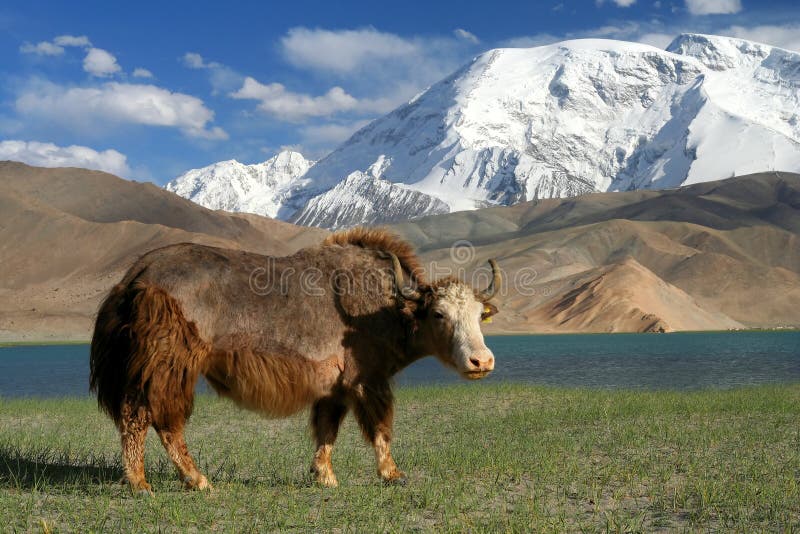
[{"x": 414, "y": 350}]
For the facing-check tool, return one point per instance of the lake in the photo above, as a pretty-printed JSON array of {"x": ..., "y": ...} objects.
[{"x": 678, "y": 361}]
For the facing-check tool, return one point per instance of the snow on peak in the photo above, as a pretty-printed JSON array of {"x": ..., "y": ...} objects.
[
  {"x": 559, "y": 120},
  {"x": 232, "y": 186},
  {"x": 363, "y": 198}
]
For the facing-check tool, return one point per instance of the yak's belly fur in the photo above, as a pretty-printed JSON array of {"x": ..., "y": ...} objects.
[{"x": 274, "y": 383}]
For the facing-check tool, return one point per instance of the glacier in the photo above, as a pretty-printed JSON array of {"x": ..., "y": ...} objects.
[{"x": 552, "y": 121}]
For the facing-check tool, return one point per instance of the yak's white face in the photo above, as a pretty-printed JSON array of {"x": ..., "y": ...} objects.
[{"x": 455, "y": 323}]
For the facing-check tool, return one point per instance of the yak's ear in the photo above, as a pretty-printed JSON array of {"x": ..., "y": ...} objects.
[{"x": 488, "y": 311}]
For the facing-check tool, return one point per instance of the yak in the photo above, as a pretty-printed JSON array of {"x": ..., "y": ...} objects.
[{"x": 327, "y": 327}]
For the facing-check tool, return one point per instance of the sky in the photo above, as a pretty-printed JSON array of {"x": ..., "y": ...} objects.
[{"x": 149, "y": 90}]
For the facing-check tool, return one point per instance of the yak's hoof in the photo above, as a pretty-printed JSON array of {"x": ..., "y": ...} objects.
[
  {"x": 324, "y": 477},
  {"x": 200, "y": 483},
  {"x": 142, "y": 489},
  {"x": 396, "y": 479}
]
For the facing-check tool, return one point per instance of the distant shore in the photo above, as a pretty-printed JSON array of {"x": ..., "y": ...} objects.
[{"x": 86, "y": 341}]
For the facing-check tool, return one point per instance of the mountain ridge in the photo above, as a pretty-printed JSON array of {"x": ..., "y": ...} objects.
[{"x": 563, "y": 120}]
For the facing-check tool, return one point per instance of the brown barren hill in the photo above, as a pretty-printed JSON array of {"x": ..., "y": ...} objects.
[
  {"x": 67, "y": 235},
  {"x": 730, "y": 247},
  {"x": 715, "y": 255},
  {"x": 625, "y": 297}
]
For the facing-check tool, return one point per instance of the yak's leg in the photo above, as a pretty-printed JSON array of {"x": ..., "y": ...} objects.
[
  {"x": 133, "y": 426},
  {"x": 172, "y": 439},
  {"x": 326, "y": 417},
  {"x": 374, "y": 409}
]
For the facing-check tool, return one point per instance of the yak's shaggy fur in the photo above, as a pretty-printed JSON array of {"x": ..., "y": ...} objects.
[{"x": 186, "y": 310}]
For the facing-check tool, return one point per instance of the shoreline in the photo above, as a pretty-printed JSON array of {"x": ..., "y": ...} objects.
[{"x": 49, "y": 342}]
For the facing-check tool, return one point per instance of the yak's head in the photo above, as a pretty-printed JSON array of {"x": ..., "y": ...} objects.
[{"x": 447, "y": 317}]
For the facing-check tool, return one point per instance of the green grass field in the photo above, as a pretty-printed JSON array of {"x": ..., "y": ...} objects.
[{"x": 479, "y": 457}]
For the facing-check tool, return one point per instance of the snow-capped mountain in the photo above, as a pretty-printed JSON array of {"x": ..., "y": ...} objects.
[
  {"x": 261, "y": 188},
  {"x": 367, "y": 199},
  {"x": 561, "y": 120}
]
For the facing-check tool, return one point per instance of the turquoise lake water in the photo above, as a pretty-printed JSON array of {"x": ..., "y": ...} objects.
[{"x": 640, "y": 361}]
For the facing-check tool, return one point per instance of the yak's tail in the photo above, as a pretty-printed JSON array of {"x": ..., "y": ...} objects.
[{"x": 143, "y": 348}]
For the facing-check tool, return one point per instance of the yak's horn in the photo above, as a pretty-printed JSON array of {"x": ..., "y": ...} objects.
[
  {"x": 494, "y": 285},
  {"x": 406, "y": 292}
]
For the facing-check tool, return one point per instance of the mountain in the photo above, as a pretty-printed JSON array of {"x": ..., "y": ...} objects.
[
  {"x": 368, "y": 199},
  {"x": 583, "y": 116},
  {"x": 232, "y": 186},
  {"x": 67, "y": 235},
  {"x": 562, "y": 120},
  {"x": 714, "y": 255}
]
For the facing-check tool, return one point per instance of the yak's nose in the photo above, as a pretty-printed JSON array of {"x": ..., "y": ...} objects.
[{"x": 481, "y": 362}]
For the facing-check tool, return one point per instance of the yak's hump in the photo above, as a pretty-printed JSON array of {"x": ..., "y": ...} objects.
[{"x": 383, "y": 240}]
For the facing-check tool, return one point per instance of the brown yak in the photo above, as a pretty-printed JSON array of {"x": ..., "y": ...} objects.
[{"x": 327, "y": 327}]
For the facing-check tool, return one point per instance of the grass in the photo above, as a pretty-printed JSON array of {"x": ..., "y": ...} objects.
[{"x": 479, "y": 457}]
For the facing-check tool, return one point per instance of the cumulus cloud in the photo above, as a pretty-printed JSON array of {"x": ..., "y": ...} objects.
[
  {"x": 383, "y": 68},
  {"x": 100, "y": 63},
  {"x": 73, "y": 40},
  {"x": 223, "y": 78},
  {"x": 274, "y": 99},
  {"x": 44, "y": 48},
  {"x": 713, "y": 7},
  {"x": 194, "y": 60},
  {"x": 120, "y": 103},
  {"x": 142, "y": 73},
  {"x": 343, "y": 50},
  {"x": 619, "y": 3},
  {"x": 787, "y": 36},
  {"x": 466, "y": 36},
  {"x": 56, "y": 46},
  {"x": 50, "y": 155}
]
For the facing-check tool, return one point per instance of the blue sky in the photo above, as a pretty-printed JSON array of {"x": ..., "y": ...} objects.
[{"x": 152, "y": 89}]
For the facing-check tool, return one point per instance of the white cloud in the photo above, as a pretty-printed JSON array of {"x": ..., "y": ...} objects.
[
  {"x": 94, "y": 107},
  {"x": 100, "y": 63},
  {"x": 787, "y": 36},
  {"x": 142, "y": 73},
  {"x": 274, "y": 99},
  {"x": 223, "y": 79},
  {"x": 384, "y": 69},
  {"x": 466, "y": 36},
  {"x": 44, "y": 48},
  {"x": 194, "y": 60},
  {"x": 72, "y": 40},
  {"x": 713, "y": 7},
  {"x": 56, "y": 46},
  {"x": 343, "y": 51},
  {"x": 619, "y": 3},
  {"x": 50, "y": 155}
]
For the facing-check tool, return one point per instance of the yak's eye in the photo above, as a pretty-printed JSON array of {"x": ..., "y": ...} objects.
[{"x": 438, "y": 315}]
